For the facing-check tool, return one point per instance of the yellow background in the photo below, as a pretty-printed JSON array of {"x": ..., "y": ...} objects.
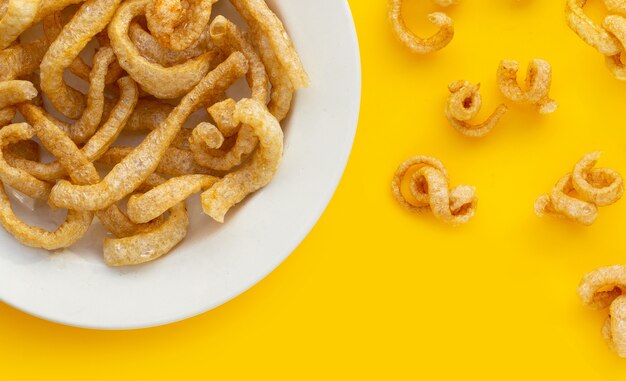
[{"x": 376, "y": 291}]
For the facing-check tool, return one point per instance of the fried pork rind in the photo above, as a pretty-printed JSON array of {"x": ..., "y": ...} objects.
[
  {"x": 229, "y": 38},
  {"x": 91, "y": 18},
  {"x": 52, "y": 27},
  {"x": 600, "y": 186},
  {"x": 447, "y": 3},
  {"x": 258, "y": 171},
  {"x": 159, "y": 81},
  {"x": 616, "y": 6},
  {"x": 429, "y": 188},
  {"x": 538, "y": 82},
  {"x": 590, "y": 32},
  {"x": 20, "y": 60},
  {"x": 604, "y": 288},
  {"x": 6, "y": 115},
  {"x": 15, "y": 91},
  {"x": 463, "y": 104},
  {"x": 616, "y": 25},
  {"x": 222, "y": 113},
  {"x": 415, "y": 43},
  {"x": 15, "y": 177},
  {"x": 145, "y": 207},
  {"x": 151, "y": 244},
  {"x": 206, "y": 139},
  {"x": 73, "y": 228},
  {"x": 258, "y": 15},
  {"x": 133, "y": 170},
  {"x": 578, "y": 195},
  {"x": 150, "y": 48},
  {"x": 176, "y": 27},
  {"x": 18, "y": 16},
  {"x": 97, "y": 144}
]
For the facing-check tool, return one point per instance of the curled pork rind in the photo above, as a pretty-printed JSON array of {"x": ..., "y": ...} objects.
[
  {"x": 162, "y": 82},
  {"x": 415, "y": 43},
  {"x": 590, "y": 32},
  {"x": 578, "y": 195},
  {"x": 463, "y": 104},
  {"x": 14, "y": 92},
  {"x": 258, "y": 15},
  {"x": 151, "y": 244},
  {"x": 176, "y": 27},
  {"x": 18, "y": 16},
  {"x": 538, "y": 82},
  {"x": 258, "y": 171},
  {"x": 145, "y": 207},
  {"x": 616, "y": 25},
  {"x": 126, "y": 176},
  {"x": 429, "y": 186},
  {"x": 604, "y": 288},
  {"x": 21, "y": 60},
  {"x": 150, "y": 48},
  {"x": 91, "y": 18}
]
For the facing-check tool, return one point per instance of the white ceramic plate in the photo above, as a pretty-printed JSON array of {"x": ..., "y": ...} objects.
[{"x": 215, "y": 263}]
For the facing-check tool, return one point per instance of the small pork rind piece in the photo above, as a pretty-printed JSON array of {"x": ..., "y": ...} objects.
[
  {"x": 578, "y": 195},
  {"x": 150, "y": 245},
  {"x": 604, "y": 288},
  {"x": 150, "y": 48},
  {"x": 52, "y": 27},
  {"x": 15, "y": 177},
  {"x": 258, "y": 171},
  {"x": 615, "y": 6},
  {"x": 616, "y": 25},
  {"x": 20, "y": 60},
  {"x": 415, "y": 43},
  {"x": 447, "y": 3},
  {"x": 176, "y": 27},
  {"x": 258, "y": 15},
  {"x": 429, "y": 186},
  {"x": 18, "y": 16},
  {"x": 15, "y": 91},
  {"x": 600, "y": 186},
  {"x": 91, "y": 18},
  {"x": 590, "y": 32},
  {"x": 538, "y": 82},
  {"x": 159, "y": 81},
  {"x": 145, "y": 207},
  {"x": 463, "y": 104},
  {"x": 135, "y": 168}
]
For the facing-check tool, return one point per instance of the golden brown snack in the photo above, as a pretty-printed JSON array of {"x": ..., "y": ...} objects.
[
  {"x": 463, "y": 104},
  {"x": 616, "y": 25},
  {"x": 415, "y": 43},
  {"x": 176, "y": 27},
  {"x": 145, "y": 207},
  {"x": 258, "y": 15},
  {"x": 52, "y": 27},
  {"x": 14, "y": 92},
  {"x": 538, "y": 83},
  {"x": 150, "y": 48},
  {"x": 20, "y": 60},
  {"x": 590, "y": 32},
  {"x": 15, "y": 177},
  {"x": 151, "y": 244},
  {"x": 162, "y": 82},
  {"x": 92, "y": 17},
  {"x": 256, "y": 172},
  {"x": 125, "y": 177},
  {"x": 18, "y": 16},
  {"x": 594, "y": 187},
  {"x": 604, "y": 288},
  {"x": 430, "y": 190}
]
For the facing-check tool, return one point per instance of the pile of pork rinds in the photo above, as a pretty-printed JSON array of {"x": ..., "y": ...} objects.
[{"x": 157, "y": 62}]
